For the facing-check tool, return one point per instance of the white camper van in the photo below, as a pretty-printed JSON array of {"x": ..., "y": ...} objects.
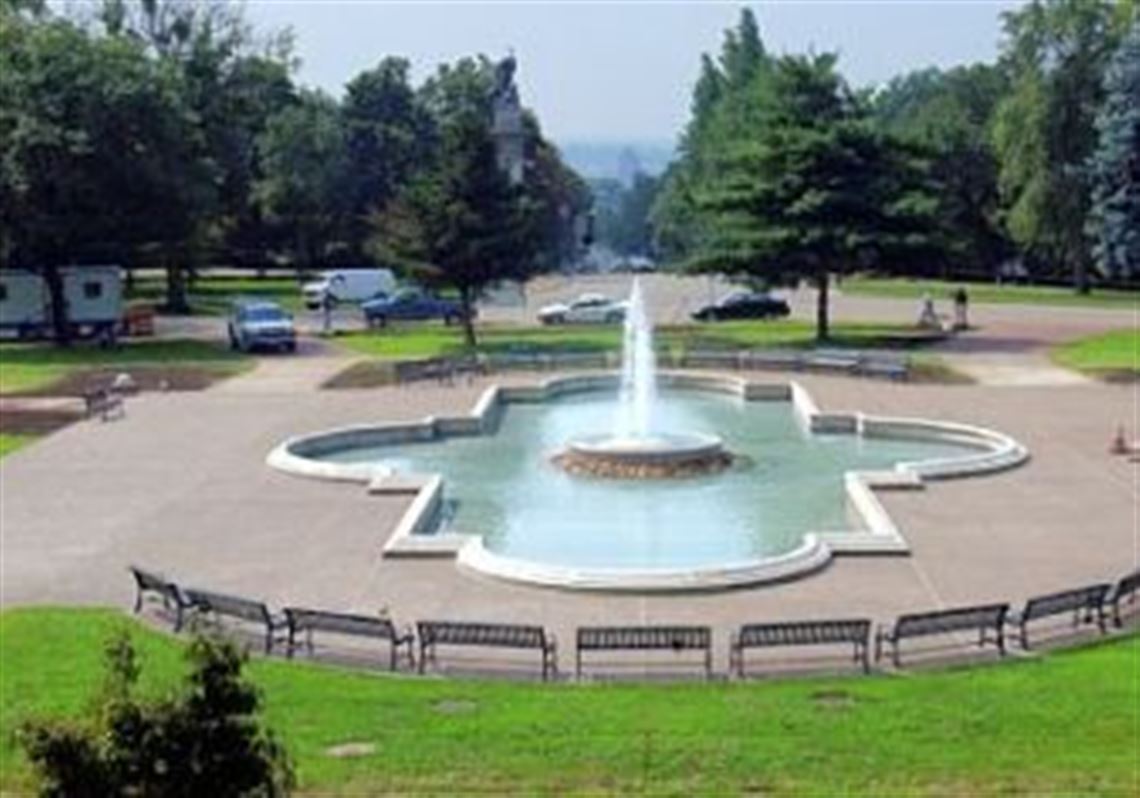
[
  {"x": 348, "y": 285},
  {"x": 93, "y": 294}
]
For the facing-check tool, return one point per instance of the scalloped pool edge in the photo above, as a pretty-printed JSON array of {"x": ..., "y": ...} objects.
[{"x": 877, "y": 535}]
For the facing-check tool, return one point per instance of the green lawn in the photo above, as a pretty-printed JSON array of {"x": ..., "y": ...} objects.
[
  {"x": 10, "y": 443},
  {"x": 1116, "y": 352},
  {"x": 989, "y": 293},
  {"x": 34, "y": 367},
  {"x": 419, "y": 340},
  {"x": 213, "y": 296},
  {"x": 1062, "y": 724}
]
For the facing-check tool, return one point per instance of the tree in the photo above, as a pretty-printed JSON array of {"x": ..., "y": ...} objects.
[
  {"x": 818, "y": 190},
  {"x": 947, "y": 115},
  {"x": 206, "y": 740},
  {"x": 625, "y": 227},
  {"x": 96, "y": 150},
  {"x": 460, "y": 223},
  {"x": 303, "y": 159},
  {"x": 386, "y": 136},
  {"x": 1055, "y": 53},
  {"x": 1114, "y": 218}
]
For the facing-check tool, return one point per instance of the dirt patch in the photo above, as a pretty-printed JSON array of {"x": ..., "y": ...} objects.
[
  {"x": 350, "y": 750},
  {"x": 35, "y": 422},
  {"x": 454, "y": 706},
  {"x": 368, "y": 374},
  {"x": 147, "y": 378},
  {"x": 1118, "y": 376},
  {"x": 936, "y": 373}
]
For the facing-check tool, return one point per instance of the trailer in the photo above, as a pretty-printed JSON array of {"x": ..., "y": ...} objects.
[{"x": 93, "y": 296}]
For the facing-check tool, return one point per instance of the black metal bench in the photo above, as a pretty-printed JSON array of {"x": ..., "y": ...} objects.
[
  {"x": 856, "y": 631},
  {"x": 308, "y": 621},
  {"x": 983, "y": 619},
  {"x": 497, "y": 635},
  {"x": 153, "y": 583},
  {"x": 1086, "y": 604},
  {"x": 645, "y": 638},
  {"x": 222, "y": 604},
  {"x": 104, "y": 403},
  {"x": 1127, "y": 586}
]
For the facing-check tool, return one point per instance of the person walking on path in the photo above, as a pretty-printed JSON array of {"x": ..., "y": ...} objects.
[{"x": 961, "y": 304}]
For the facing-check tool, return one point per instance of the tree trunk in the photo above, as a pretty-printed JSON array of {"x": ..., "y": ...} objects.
[
  {"x": 57, "y": 304},
  {"x": 466, "y": 302},
  {"x": 822, "y": 310},
  {"x": 175, "y": 287},
  {"x": 1081, "y": 274}
]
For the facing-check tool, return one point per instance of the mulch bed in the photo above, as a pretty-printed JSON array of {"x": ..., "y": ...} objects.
[{"x": 148, "y": 378}]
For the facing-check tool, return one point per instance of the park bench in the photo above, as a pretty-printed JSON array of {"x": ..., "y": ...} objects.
[
  {"x": 772, "y": 359},
  {"x": 711, "y": 359},
  {"x": 982, "y": 618},
  {"x": 1127, "y": 586},
  {"x": 496, "y": 635},
  {"x": 881, "y": 365},
  {"x": 104, "y": 403},
  {"x": 1086, "y": 604},
  {"x": 645, "y": 638},
  {"x": 856, "y": 631},
  {"x": 300, "y": 620},
  {"x": 155, "y": 584},
  {"x": 243, "y": 609},
  {"x": 833, "y": 360}
]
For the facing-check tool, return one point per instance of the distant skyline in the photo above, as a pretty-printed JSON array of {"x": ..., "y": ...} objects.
[{"x": 623, "y": 72}]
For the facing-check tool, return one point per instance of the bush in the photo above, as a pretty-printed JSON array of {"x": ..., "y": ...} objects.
[{"x": 205, "y": 740}]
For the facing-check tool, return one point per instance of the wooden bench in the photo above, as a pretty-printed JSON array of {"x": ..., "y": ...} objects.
[
  {"x": 645, "y": 638},
  {"x": 497, "y": 635},
  {"x": 308, "y": 621},
  {"x": 856, "y": 631},
  {"x": 1086, "y": 604},
  {"x": 104, "y": 403},
  {"x": 221, "y": 604},
  {"x": 982, "y": 618},
  {"x": 155, "y": 584},
  {"x": 1127, "y": 586}
]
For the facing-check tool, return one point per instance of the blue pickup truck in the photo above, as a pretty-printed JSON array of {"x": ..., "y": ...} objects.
[{"x": 410, "y": 305}]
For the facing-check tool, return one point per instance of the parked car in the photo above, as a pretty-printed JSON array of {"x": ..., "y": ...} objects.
[
  {"x": 744, "y": 305},
  {"x": 586, "y": 309},
  {"x": 411, "y": 305},
  {"x": 348, "y": 285},
  {"x": 258, "y": 324}
]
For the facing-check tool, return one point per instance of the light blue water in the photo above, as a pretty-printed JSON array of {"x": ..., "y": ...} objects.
[{"x": 503, "y": 486}]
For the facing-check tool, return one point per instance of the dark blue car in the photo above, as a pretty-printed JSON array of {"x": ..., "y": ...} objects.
[{"x": 410, "y": 305}]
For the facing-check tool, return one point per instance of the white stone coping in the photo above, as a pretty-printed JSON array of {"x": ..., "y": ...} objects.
[{"x": 875, "y": 533}]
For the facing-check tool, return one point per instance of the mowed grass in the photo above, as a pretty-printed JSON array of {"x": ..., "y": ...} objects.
[
  {"x": 990, "y": 293},
  {"x": 434, "y": 340},
  {"x": 10, "y": 442},
  {"x": 1116, "y": 352},
  {"x": 213, "y": 296},
  {"x": 34, "y": 367},
  {"x": 1061, "y": 724}
]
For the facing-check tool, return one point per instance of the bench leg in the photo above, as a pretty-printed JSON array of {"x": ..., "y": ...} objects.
[
  {"x": 862, "y": 654},
  {"x": 268, "y": 639},
  {"x": 423, "y": 657},
  {"x": 138, "y": 600},
  {"x": 578, "y": 665},
  {"x": 392, "y": 656},
  {"x": 1001, "y": 641},
  {"x": 1024, "y": 635},
  {"x": 895, "y": 657},
  {"x": 708, "y": 664},
  {"x": 291, "y": 643},
  {"x": 178, "y": 610},
  {"x": 1117, "y": 620}
]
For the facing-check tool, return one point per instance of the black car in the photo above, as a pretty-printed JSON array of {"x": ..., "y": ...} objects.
[{"x": 744, "y": 306}]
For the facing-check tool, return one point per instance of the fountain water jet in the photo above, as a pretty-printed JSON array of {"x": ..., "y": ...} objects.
[{"x": 636, "y": 448}]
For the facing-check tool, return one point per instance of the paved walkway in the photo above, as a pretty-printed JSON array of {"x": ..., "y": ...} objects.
[{"x": 181, "y": 485}]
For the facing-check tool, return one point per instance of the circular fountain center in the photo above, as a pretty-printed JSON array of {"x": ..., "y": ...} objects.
[{"x": 667, "y": 455}]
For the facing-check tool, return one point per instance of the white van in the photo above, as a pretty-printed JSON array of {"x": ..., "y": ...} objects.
[{"x": 348, "y": 285}]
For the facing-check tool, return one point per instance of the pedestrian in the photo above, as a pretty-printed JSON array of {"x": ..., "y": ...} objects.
[
  {"x": 927, "y": 317},
  {"x": 961, "y": 304}
]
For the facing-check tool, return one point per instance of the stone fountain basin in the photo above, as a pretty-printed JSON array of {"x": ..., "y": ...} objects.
[{"x": 658, "y": 448}]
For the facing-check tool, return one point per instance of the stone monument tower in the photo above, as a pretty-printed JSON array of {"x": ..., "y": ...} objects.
[{"x": 507, "y": 121}]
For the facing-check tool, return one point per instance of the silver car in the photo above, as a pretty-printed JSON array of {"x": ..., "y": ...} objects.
[{"x": 261, "y": 324}]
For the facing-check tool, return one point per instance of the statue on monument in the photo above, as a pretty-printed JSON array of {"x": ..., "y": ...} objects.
[{"x": 506, "y": 93}]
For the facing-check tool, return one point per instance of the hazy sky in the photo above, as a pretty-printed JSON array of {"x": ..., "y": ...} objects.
[{"x": 623, "y": 71}]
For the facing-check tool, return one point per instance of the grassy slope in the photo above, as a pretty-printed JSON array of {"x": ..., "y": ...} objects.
[
  {"x": 1065, "y": 723},
  {"x": 990, "y": 293},
  {"x": 421, "y": 340},
  {"x": 10, "y": 443},
  {"x": 1117, "y": 351},
  {"x": 29, "y": 367}
]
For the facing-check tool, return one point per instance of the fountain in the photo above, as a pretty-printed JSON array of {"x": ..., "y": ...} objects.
[{"x": 636, "y": 448}]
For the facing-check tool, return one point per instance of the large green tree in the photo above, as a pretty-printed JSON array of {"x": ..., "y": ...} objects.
[
  {"x": 947, "y": 114},
  {"x": 817, "y": 191},
  {"x": 1114, "y": 220},
  {"x": 97, "y": 147},
  {"x": 1055, "y": 53},
  {"x": 303, "y": 160}
]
